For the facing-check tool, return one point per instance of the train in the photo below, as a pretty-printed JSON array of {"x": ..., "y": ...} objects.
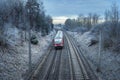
[{"x": 58, "y": 40}]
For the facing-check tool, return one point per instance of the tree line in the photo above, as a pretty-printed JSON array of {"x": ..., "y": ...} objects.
[{"x": 83, "y": 21}]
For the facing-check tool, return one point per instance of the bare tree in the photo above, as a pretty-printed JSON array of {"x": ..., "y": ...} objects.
[
  {"x": 90, "y": 19},
  {"x": 107, "y": 15},
  {"x": 95, "y": 18},
  {"x": 114, "y": 19},
  {"x": 80, "y": 20}
]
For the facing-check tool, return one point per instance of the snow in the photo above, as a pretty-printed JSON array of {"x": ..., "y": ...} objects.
[
  {"x": 12, "y": 34},
  {"x": 110, "y": 61},
  {"x": 86, "y": 38},
  {"x": 14, "y": 64}
]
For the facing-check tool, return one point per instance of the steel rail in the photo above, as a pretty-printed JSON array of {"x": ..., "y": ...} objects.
[{"x": 81, "y": 64}]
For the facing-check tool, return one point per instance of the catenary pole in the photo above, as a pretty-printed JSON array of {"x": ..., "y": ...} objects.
[
  {"x": 29, "y": 32},
  {"x": 100, "y": 49}
]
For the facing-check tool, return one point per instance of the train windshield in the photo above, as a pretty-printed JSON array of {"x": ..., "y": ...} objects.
[{"x": 57, "y": 37}]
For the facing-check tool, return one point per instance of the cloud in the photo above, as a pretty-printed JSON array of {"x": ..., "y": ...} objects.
[{"x": 62, "y": 19}]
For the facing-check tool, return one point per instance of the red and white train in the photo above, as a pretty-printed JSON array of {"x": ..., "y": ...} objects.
[{"x": 58, "y": 40}]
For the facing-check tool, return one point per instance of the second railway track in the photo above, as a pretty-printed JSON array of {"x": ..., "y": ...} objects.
[
  {"x": 86, "y": 65},
  {"x": 80, "y": 72}
]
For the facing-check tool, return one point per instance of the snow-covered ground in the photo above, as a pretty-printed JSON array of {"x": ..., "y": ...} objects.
[
  {"x": 110, "y": 61},
  {"x": 14, "y": 64}
]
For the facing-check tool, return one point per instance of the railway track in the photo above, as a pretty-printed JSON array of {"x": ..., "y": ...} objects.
[
  {"x": 80, "y": 72},
  {"x": 65, "y": 64},
  {"x": 89, "y": 71}
]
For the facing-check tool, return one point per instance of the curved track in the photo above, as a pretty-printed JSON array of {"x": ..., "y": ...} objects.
[{"x": 68, "y": 63}]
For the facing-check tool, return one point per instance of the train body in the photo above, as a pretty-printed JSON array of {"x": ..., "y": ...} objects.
[{"x": 58, "y": 40}]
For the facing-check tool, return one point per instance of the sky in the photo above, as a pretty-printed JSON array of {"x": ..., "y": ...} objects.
[{"x": 60, "y": 10}]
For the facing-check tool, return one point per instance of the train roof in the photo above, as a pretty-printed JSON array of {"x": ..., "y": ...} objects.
[{"x": 59, "y": 34}]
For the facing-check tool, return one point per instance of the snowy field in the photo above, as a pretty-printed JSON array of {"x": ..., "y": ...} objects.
[
  {"x": 14, "y": 64},
  {"x": 110, "y": 61}
]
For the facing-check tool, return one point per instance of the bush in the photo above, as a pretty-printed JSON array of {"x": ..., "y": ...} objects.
[{"x": 34, "y": 41}]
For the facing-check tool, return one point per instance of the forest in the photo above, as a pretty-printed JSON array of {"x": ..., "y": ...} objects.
[{"x": 16, "y": 13}]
